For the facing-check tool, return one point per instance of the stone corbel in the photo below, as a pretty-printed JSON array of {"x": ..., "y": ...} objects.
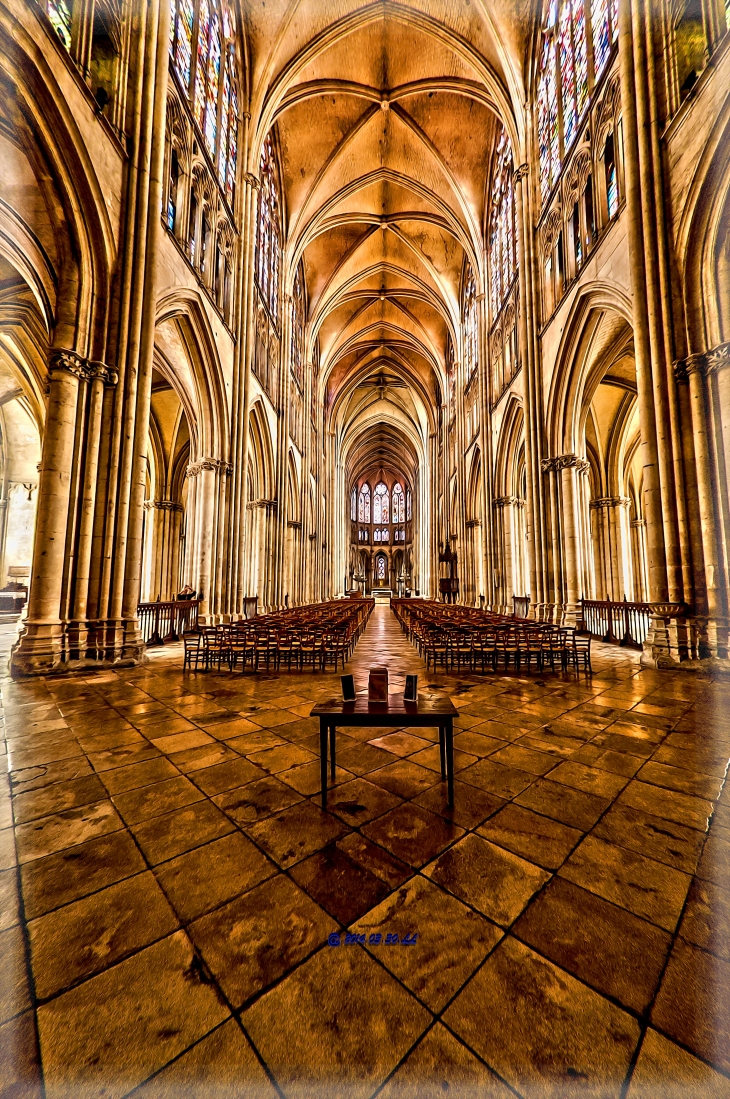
[
  {"x": 162, "y": 505},
  {"x": 565, "y": 461},
  {"x": 211, "y": 464},
  {"x": 611, "y": 502}
]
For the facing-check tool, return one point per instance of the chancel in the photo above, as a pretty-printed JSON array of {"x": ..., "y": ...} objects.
[{"x": 341, "y": 337}]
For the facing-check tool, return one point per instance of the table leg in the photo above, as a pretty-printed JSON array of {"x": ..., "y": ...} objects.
[
  {"x": 450, "y": 760},
  {"x": 333, "y": 731},
  {"x": 442, "y": 750},
  {"x": 323, "y": 759}
]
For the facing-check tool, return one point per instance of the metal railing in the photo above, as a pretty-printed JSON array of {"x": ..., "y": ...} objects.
[
  {"x": 622, "y": 623},
  {"x": 161, "y": 622},
  {"x": 521, "y": 605}
]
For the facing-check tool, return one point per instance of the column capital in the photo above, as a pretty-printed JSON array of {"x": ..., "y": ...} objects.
[
  {"x": 565, "y": 461},
  {"x": 162, "y": 505},
  {"x": 211, "y": 464},
  {"x": 508, "y": 501},
  {"x": 84, "y": 369},
  {"x": 611, "y": 502},
  {"x": 704, "y": 362},
  {"x": 252, "y": 180},
  {"x": 521, "y": 172}
]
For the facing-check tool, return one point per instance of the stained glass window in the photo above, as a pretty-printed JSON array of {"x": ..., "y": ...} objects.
[
  {"x": 364, "y": 504},
  {"x": 567, "y": 75},
  {"x": 502, "y": 252},
  {"x": 353, "y": 504},
  {"x": 268, "y": 232},
  {"x": 297, "y": 328},
  {"x": 469, "y": 319},
  {"x": 408, "y": 504},
  {"x": 381, "y": 503},
  {"x": 202, "y": 48},
  {"x": 601, "y": 35},
  {"x": 59, "y": 13},
  {"x": 380, "y": 566},
  {"x": 609, "y": 161},
  {"x": 398, "y": 503},
  {"x": 376, "y": 535},
  {"x": 580, "y": 47}
]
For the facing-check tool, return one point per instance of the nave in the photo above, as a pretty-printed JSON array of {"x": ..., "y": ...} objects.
[{"x": 176, "y": 885}]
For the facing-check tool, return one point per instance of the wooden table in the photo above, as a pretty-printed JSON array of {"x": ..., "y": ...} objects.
[{"x": 395, "y": 713}]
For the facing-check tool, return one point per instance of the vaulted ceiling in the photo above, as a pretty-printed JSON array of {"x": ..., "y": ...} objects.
[{"x": 386, "y": 118}]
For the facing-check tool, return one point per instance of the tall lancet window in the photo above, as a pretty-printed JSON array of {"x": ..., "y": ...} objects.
[
  {"x": 297, "y": 328},
  {"x": 381, "y": 503},
  {"x": 502, "y": 237},
  {"x": 399, "y": 514},
  {"x": 202, "y": 49},
  {"x": 565, "y": 76},
  {"x": 268, "y": 230},
  {"x": 363, "y": 513},
  {"x": 470, "y": 320}
]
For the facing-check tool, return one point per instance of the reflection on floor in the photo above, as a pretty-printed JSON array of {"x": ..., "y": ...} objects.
[{"x": 170, "y": 888}]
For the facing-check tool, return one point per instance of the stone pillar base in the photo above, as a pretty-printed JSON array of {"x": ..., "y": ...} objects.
[
  {"x": 690, "y": 643},
  {"x": 573, "y": 615},
  {"x": 56, "y": 648}
]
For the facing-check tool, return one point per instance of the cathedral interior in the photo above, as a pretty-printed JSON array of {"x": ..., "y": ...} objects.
[{"x": 338, "y": 335}]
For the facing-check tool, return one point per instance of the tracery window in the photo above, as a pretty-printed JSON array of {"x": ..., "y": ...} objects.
[
  {"x": 408, "y": 504},
  {"x": 502, "y": 243},
  {"x": 268, "y": 230},
  {"x": 398, "y": 503},
  {"x": 59, "y": 13},
  {"x": 363, "y": 513},
  {"x": 381, "y": 503},
  {"x": 570, "y": 62},
  {"x": 380, "y": 567},
  {"x": 469, "y": 316},
  {"x": 297, "y": 329},
  {"x": 353, "y": 504},
  {"x": 202, "y": 48}
]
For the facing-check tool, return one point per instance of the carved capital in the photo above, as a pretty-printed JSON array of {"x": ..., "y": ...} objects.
[
  {"x": 69, "y": 361},
  {"x": 611, "y": 502},
  {"x": 718, "y": 357},
  {"x": 521, "y": 172},
  {"x": 210, "y": 464},
  {"x": 704, "y": 362},
  {"x": 565, "y": 461},
  {"x": 162, "y": 505},
  {"x": 507, "y": 501},
  {"x": 100, "y": 370},
  {"x": 252, "y": 180}
]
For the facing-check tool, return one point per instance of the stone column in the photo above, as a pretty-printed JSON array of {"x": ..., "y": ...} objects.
[
  {"x": 638, "y": 543},
  {"x": 567, "y": 534},
  {"x": 612, "y": 516}
]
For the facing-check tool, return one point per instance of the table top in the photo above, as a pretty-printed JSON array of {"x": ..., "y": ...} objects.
[{"x": 396, "y": 706}]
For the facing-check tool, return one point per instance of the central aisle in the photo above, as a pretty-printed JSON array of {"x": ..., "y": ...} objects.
[{"x": 383, "y": 644}]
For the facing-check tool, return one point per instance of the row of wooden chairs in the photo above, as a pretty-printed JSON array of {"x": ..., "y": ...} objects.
[
  {"x": 480, "y": 640},
  {"x": 291, "y": 639}
]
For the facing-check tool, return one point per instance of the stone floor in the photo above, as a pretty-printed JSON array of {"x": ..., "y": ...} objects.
[{"x": 170, "y": 888}]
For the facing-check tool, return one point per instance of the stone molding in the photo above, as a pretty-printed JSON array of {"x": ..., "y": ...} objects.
[
  {"x": 638, "y": 522},
  {"x": 565, "y": 461},
  {"x": 162, "y": 505},
  {"x": 611, "y": 502},
  {"x": 704, "y": 362},
  {"x": 85, "y": 370},
  {"x": 211, "y": 464}
]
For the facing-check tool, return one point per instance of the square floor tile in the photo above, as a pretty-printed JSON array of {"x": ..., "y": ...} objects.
[
  {"x": 471, "y": 805},
  {"x": 548, "y": 1034},
  {"x": 64, "y": 877},
  {"x": 610, "y": 949},
  {"x": 61, "y": 830},
  {"x": 663, "y": 840},
  {"x": 20, "y": 1070},
  {"x": 693, "y": 1003},
  {"x": 220, "y": 777},
  {"x": 706, "y": 920},
  {"x": 96, "y": 1036},
  {"x": 252, "y": 941},
  {"x": 591, "y": 780},
  {"x": 536, "y": 838},
  {"x": 292, "y": 1026},
  {"x": 257, "y": 800},
  {"x": 359, "y": 801},
  {"x": 495, "y": 882},
  {"x": 404, "y": 778},
  {"x": 173, "y": 833},
  {"x": 152, "y": 801},
  {"x": 14, "y": 991},
  {"x": 294, "y": 833},
  {"x": 207, "y": 877},
  {"x": 562, "y": 803},
  {"x": 363, "y": 758},
  {"x": 341, "y": 885},
  {"x": 121, "y": 779},
  {"x": 505, "y": 782},
  {"x": 670, "y": 804},
  {"x": 412, "y": 834},
  {"x": 643, "y": 886},
  {"x": 452, "y": 940},
  {"x": 91, "y": 934},
  {"x": 400, "y": 743}
]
